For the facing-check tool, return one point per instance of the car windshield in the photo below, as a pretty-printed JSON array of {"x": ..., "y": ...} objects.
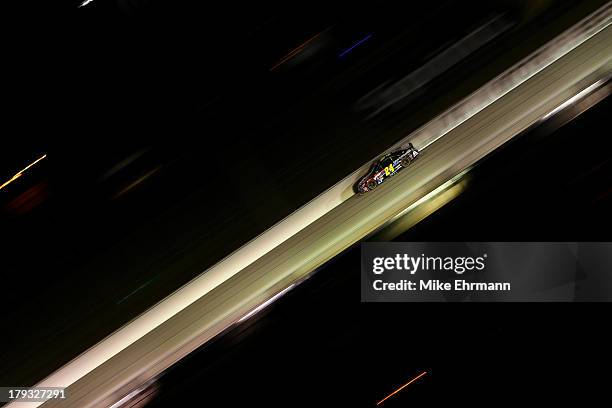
[{"x": 386, "y": 160}]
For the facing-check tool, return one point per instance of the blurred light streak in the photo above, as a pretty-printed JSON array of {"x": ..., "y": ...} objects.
[
  {"x": 123, "y": 163},
  {"x": 84, "y": 3},
  {"x": 293, "y": 52},
  {"x": 513, "y": 77},
  {"x": 385, "y": 96},
  {"x": 19, "y": 173},
  {"x": 29, "y": 199},
  {"x": 150, "y": 387},
  {"x": 424, "y": 207},
  {"x": 15, "y": 177},
  {"x": 144, "y": 285},
  {"x": 266, "y": 303},
  {"x": 401, "y": 388},
  {"x": 576, "y": 97},
  {"x": 136, "y": 182},
  {"x": 358, "y": 43}
]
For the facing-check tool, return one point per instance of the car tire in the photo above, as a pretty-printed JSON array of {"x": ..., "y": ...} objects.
[
  {"x": 405, "y": 162},
  {"x": 371, "y": 185}
]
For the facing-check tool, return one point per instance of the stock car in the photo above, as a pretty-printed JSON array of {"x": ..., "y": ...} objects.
[{"x": 386, "y": 167}]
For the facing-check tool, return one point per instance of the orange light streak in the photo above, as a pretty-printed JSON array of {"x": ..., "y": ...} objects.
[
  {"x": 401, "y": 388},
  {"x": 293, "y": 52}
]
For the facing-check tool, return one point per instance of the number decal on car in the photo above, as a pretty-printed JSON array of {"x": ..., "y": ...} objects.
[{"x": 389, "y": 169}]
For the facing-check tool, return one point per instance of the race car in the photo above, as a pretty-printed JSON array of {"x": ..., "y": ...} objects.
[{"x": 385, "y": 167}]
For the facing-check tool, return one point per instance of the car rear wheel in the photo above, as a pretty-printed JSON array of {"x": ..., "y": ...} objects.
[
  {"x": 406, "y": 162},
  {"x": 371, "y": 185}
]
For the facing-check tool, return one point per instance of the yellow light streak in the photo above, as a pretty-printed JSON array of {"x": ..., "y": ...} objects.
[{"x": 20, "y": 172}]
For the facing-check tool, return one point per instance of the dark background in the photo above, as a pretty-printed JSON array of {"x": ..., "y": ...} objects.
[{"x": 220, "y": 146}]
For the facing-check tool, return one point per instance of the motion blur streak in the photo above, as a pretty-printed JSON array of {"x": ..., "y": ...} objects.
[
  {"x": 382, "y": 98},
  {"x": 577, "y": 97},
  {"x": 293, "y": 52},
  {"x": 514, "y": 76},
  {"x": 15, "y": 177},
  {"x": 358, "y": 43},
  {"x": 330, "y": 223},
  {"x": 401, "y": 388},
  {"x": 123, "y": 163},
  {"x": 136, "y": 182},
  {"x": 149, "y": 386},
  {"x": 20, "y": 172},
  {"x": 423, "y": 207},
  {"x": 84, "y": 3},
  {"x": 266, "y": 303}
]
